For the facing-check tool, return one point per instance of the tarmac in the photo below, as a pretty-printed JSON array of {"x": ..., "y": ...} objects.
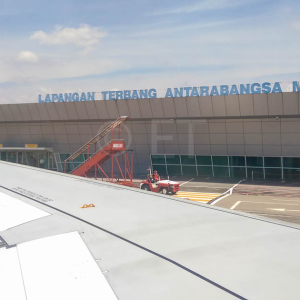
[{"x": 278, "y": 200}]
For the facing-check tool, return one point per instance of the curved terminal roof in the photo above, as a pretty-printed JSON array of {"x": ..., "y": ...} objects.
[{"x": 254, "y": 105}]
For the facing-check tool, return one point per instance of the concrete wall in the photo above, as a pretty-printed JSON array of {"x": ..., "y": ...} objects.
[
  {"x": 230, "y": 125},
  {"x": 251, "y": 137}
]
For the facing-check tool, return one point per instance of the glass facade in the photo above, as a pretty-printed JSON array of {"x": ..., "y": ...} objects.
[
  {"x": 72, "y": 165},
  {"x": 238, "y": 167},
  {"x": 203, "y": 160},
  {"x": 40, "y": 159},
  {"x": 254, "y": 161},
  {"x": 173, "y": 160},
  {"x": 205, "y": 171}
]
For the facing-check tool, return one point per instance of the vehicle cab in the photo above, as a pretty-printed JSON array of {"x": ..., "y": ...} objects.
[{"x": 162, "y": 186}]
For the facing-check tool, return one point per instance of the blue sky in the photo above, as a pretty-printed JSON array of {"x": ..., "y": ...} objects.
[{"x": 94, "y": 45}]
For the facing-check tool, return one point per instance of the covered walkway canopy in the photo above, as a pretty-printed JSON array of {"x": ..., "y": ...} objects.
[{"x": 40, "y": 157}]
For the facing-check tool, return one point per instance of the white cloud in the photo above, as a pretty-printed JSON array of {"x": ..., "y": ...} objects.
[
  {"x": 84, "y": 37},
  {"x": 205, "y": 5},
  {"x": 27, "y": 56},
  {"x": 177, "y": 54}
]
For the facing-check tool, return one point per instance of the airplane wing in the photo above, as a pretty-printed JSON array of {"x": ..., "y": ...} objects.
[{"x": 133, "y": 244}]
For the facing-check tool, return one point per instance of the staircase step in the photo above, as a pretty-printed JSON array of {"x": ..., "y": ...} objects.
[
  {"x": 96, "y": 138},
  {"x": 99, "y": 157}
]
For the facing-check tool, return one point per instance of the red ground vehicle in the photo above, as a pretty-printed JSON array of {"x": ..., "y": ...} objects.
[{"x": 162, "y": 186}]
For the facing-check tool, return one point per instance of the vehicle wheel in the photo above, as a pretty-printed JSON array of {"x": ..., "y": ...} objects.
[
  {"x": 145, "y": 187},
  {"x": 164, "y": 191}
]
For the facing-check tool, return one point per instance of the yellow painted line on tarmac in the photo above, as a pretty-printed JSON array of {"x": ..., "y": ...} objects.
[
  {"x": 200, "y": 198},
  {"x": 183, "y": 192},
  {"x": 197, "y": 200},
  {"x": 198, "y": 194},
  {"x": 197, "y": 197}
]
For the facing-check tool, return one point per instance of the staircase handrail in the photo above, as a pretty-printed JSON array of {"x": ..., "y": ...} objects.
[
  {"x": 95, "y": 154},
  {"x": 96, "y": 138}
]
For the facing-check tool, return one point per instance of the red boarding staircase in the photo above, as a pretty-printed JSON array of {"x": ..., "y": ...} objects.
[{"x": 114, "y": 150}]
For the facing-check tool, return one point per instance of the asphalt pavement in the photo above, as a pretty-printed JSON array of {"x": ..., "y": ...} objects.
[
  {"x": 278, "y": 200},
  {"x": 280, "y": 208}
]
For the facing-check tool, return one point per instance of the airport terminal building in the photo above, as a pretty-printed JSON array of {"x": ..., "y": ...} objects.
[{"x": 238, "y": 136}]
